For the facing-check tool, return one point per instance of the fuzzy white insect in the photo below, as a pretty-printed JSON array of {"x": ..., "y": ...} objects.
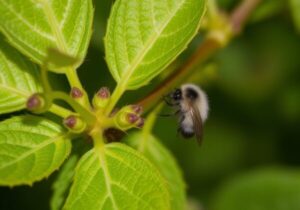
[{"x": 193, "y": 109}]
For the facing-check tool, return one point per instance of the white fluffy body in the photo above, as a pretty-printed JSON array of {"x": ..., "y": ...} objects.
[{"x": 201, "y": 103}]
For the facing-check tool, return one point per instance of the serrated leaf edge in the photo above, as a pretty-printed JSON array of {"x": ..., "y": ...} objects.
[
  {"x": 100, "y": 154},
  {"x": 118, "y": 77},
  {"x": 44, "y": 144}
]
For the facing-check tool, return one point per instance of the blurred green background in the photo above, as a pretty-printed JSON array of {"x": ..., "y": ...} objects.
[{"x": 250, "y": 157}]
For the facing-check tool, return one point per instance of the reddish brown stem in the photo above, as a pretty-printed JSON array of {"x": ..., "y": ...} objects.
[
  {"x": 207, "y": 48},
  {"x": 241, "y": 13}
]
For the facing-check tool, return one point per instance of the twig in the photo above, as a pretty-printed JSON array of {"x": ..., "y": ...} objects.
[
  {"x": 207, "y": 48},
  {"x": 240, "y": 15}
]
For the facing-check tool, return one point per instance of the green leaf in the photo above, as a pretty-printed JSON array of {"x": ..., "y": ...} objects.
[
  {"x": 18, "y": 79},
  {"x": 117, "y": 178},
  {"x": 166, "y": 164},
  {"x": 59, "y": 61},
  {"x": 63, "y": 182},
  {"x": 276, "y": 189},
  {"x": 31, "y": 149},
  {"x": 34, "y": 26},
  {"x": 295, "y": 7},
  {"x": 143, "y": 37}
]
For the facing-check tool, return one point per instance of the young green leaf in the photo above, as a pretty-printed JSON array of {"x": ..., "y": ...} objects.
[
  {"x": 34, "y": 26},
  {"x": 31, "y": 149},
  {"x": 116, "y": 178},
  {"x": 164, "y": 161},
  {"x": 18, "y": 79},
  {"x": 63, "y": 182},
  {"x": 143, "y": 37},
  {"x": 295, "y": 8},
  {"x": 276, "y": 189}
]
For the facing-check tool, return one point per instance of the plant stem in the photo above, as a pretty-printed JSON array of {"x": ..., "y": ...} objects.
[
  {"x": 73, "y": 78},
  {"x": 71, "y": 73},
  {"x": 207, "y": 48},
  {"x": 118, "y": 91},
  {"x": 241, "y": 13},
  {"x": 148, "y": 127},
  {"x": 45, "y": 80},
  {"x": 98, "y": 140},
  {"x": 212, "y": 9},
  {"x": 60, "y": 111},
  {"x": 75, "y": 82},
  {"x": 86, "y": 114}
]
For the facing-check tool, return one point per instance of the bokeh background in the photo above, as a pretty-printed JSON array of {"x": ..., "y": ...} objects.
[{"x": 250, "y": 157}]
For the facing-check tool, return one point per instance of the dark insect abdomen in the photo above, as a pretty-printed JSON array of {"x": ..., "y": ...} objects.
[{"x": 186, "y": 134}]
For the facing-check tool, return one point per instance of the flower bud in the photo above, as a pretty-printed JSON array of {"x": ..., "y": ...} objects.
[
  {"x": 74, "y": 124},
  {"x": 132, "y": 118},
  {"x": 140, "y": 123},
  {"x": 137, "y": 109},
  {"x": 36, "y": 103},
  {"x": 101, "y": 98},
  {"x": 78, "y": 95},
  {"x": 129, "y": 117},
  {"x": 125, "y": 119}
]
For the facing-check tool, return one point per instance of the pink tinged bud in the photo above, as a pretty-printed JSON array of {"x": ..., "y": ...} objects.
[
  {"x": 101, "y": 98},
  {"x": 140, "y": 123},
  {"x": 103, "y": 93},
  {"x": 137, "y": 109},
  {"x": 74, "y": 124},
  {"x": 132, "y": 118},
  {"x": 35, "y": 103},
  {"x": 76, "y": 93},
  {"x": 70, "y": 121}
]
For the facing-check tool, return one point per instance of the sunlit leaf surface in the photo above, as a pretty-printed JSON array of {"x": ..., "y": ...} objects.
[
  {"x": 143, "y": 37},
  {"x": 165, "y": 163},
  {"x": 36, "y": 25},
  {"x": 117, "y": 178},
  {"x": 31, "y": 149},
  {"x": 18, "y": 79}
]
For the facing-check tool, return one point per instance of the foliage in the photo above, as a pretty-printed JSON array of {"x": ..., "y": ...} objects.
[
  {"x": 55, "y": 35},
  {"x": 18, "y": 79},
  {"x": 32, "y": 148},
  {"x": 141, "y": 187},
  {"x": 149, "y": 146},
  {"x": 44, "y": 116}
]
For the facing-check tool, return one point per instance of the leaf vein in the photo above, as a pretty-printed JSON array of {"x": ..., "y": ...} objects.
[
  {"x": 23, "y": 20},
  {"x": 130, "y": 69},
  {"x": 40, "y": 146}
]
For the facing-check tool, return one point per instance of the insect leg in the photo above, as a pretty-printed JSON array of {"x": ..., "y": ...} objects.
[
  {"x": 166, "y": 100},
  {"x": 181, "y": 119},
  {"x": 172, "y": 114}
]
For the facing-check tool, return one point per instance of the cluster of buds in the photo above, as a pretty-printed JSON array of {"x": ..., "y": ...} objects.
[{"x": 129, "y": 117}]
